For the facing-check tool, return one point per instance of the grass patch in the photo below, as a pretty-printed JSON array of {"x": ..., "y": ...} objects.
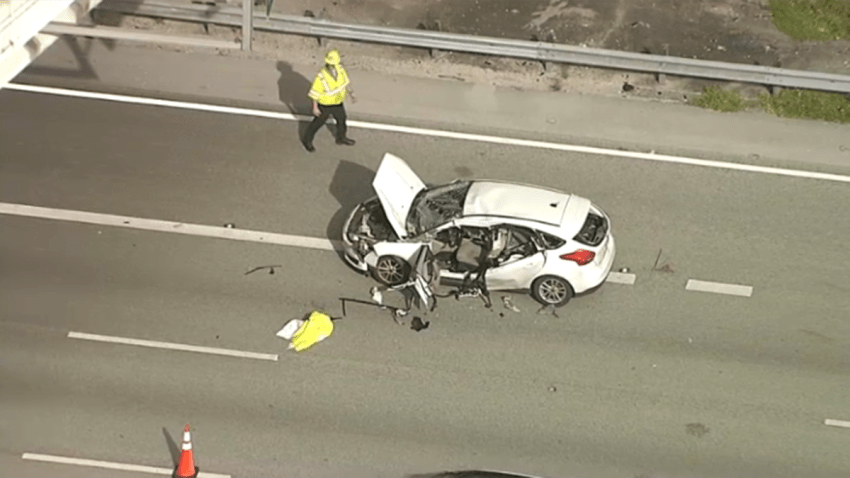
[
  {"x": 808, "y": 104},
  {"x": 717, "y": 99},
  {"x": 821, "y": 20},
  {"x": 804, "y": 104}
]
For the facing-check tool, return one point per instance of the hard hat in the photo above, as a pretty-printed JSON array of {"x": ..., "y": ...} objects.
[{"x": 332, "y": 58}]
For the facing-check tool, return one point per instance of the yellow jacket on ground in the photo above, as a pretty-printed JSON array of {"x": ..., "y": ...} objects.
[
  {"x": 328, "y": 90},
  {"x": 317, "y": 328}
]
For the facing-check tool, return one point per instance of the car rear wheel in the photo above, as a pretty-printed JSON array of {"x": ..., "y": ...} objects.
[
  {"x": 391, "y": 270},
  {"x": 552, "y": 290}
]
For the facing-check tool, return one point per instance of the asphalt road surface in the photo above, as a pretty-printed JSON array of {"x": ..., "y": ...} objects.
[{"x": 644, "y": 380}]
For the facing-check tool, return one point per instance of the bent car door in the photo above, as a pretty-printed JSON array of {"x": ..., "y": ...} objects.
[
  {"x": 517, "y": 263},
  {"x": 424, "y": 275}
]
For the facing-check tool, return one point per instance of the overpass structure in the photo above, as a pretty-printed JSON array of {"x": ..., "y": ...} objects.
[{"x": 21, "y": 25}]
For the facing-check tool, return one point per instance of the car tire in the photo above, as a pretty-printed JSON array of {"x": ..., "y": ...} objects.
[
  {"x": 391, "y": 270},
  {"x": 552, "y": 290}
]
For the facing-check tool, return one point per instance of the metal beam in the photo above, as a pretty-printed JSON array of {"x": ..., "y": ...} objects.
[
  {"x": 118, "y": 33},
  {"x": 538, "y": 51},
  {"x": 20, "y": 39}
]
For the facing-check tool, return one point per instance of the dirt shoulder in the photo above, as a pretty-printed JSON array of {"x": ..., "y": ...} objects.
[{"x": 739, "y": 31}]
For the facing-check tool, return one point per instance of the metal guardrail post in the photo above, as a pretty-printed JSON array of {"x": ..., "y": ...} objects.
[{"x": 247, "y": 24}]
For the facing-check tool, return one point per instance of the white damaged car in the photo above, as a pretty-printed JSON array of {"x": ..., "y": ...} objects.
[{"x": 520, "y": 237}]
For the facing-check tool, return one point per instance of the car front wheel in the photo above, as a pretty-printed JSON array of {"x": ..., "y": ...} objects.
[
  {"x": 391, "y": 270},
  {"x": 551, "y": 290}
]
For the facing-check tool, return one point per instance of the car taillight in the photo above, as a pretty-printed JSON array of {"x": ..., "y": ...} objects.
[{"x": 580, "y": 257}]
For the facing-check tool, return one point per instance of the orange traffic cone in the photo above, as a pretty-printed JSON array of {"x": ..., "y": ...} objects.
[{"x": 186, "y": 466}]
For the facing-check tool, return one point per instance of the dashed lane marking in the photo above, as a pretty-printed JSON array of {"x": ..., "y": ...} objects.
[
  {"x": 719, "y": 288},
  {"x": 199, "y": 230},
  {"x": 172, "y": 346},
  {"x": 111, "y": 465},
  {"x": 621, "y": 278},
  {"x": 836, "y": 423},
  {"x": 434, "y": 133}
]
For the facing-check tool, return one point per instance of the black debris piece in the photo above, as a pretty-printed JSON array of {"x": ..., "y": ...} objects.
[{"x": 417, "y": 324}]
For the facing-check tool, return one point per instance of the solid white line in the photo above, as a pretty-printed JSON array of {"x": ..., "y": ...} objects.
[
  {"x": 111, "y": 465},
  {"x": 621, "y": 278},
  {"x": 719, "y": 288},
  {"x": 836, "y": 423},
  {"x": 171, "y": 346},
  {"x": 437, "y": 133},
  {"x": 167, "y": 226}
]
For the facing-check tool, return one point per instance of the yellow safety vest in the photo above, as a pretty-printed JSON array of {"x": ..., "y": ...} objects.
[
  {"x": 328, "y": 90},
  {"x": 317, "y": 328}
]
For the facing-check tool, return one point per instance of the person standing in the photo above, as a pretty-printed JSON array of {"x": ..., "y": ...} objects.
[{"x": 328, "y": 93}]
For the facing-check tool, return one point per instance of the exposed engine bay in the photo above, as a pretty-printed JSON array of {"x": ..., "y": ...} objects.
[{"x": 369, "y": 225}]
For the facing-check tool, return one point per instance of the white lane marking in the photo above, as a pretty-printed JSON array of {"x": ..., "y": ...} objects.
[
  {"x": 198, "y": 230},
  {"x": 719, "y": 288},
  {"x": 836, "y": 423},
  {"x": 621, "y": 278},
  {"x": 168, "y": 226},
  {"x": 171, "y": 346},
  {"x": 111, "y": 465},
  {"x": 437, "y": 133}
]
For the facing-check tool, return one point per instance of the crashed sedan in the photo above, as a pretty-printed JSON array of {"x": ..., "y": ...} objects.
[{"x": 515, "y": 236}]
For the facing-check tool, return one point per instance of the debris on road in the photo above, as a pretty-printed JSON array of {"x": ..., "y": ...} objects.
[
  {"x": 548, "y": 309},
  {"x": 417, "y": 325},
  {"x": 304, "y": 333},
  {"x": 508, "y": 303},
  {"x": 270, "y": 268}
]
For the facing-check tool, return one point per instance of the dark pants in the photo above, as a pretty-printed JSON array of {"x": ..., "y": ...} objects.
[{"x": 337, "y": 111}]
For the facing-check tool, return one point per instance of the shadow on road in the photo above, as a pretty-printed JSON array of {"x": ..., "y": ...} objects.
[
  {"x": 80, "y": 48},
  {"x": 351, "y": 185},
  {"x": 468, "y": 474},
  {"x": 173, "y": 449}
]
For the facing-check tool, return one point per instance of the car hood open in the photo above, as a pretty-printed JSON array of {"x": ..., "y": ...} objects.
[{"x": 396, "y": 186}]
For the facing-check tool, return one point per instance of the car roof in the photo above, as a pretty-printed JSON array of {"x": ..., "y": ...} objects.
[{"x": 519, "y": 201}]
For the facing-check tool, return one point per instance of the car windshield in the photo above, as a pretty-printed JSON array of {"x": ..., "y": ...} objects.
[{"x": 434, "y": 207}]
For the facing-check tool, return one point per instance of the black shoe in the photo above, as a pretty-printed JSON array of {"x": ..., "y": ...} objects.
[
  {"x": 345, "y": 141},
  {"x": 309, "y": 147}
]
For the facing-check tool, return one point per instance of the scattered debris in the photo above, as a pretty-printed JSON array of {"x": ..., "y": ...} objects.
[
  {"x": 376, "y": 295},
  {"x": 548, "y": 309},
  {"x": 627, "y": 87},
  {"x": 665, "y": 268},
  {"x": 397, "y": 313},
  {"x": 417, "y": 324},
  {"x": 508, "y": 303},
  {"x": 270, "y": 268},
  {"x": 304, "y": 333}
]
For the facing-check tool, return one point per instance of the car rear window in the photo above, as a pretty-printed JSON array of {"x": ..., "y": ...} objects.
[{"x": 593, "y": 231}]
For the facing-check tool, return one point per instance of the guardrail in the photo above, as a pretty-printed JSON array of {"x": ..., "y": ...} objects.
[{"x": 528, "y": 50}]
